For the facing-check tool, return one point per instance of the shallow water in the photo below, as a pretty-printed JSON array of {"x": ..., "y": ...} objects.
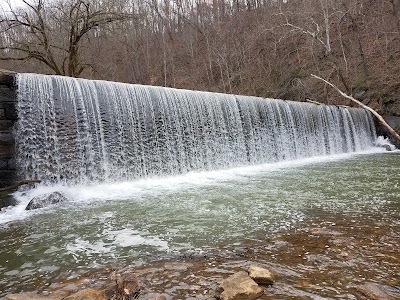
[{"x": 134, "y": 223}]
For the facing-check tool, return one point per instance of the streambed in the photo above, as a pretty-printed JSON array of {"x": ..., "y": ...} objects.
[{"x": 212, "y": 214}]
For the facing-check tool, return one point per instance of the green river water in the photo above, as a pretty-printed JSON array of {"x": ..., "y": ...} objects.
[{"x": 136, "y": 223}]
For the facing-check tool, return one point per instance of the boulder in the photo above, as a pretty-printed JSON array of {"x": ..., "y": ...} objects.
[
  {"x": 45, "y": 200},
  {"x": 240, "y": 286},
  {"x": 87, "y": 294},
  {"x": 261, "y": 275},
  {"x": 375, "y": 291}
]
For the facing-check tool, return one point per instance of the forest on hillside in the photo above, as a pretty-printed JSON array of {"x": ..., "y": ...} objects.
[{"x": 264, "y": 48}]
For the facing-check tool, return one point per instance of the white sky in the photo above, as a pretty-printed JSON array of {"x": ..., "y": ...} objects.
[{"x": 13, "y": 2}]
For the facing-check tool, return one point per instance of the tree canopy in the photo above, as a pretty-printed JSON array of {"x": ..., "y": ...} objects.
[
  {"x": 264, "y": 48},
  {"x": 54, "y": 32}
]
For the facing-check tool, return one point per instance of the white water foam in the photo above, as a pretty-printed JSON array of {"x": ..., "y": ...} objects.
[
  {"x": 158, "y": 185},
  {"x": 80, "y": 249},
  {"x": 385, "y": 143}
]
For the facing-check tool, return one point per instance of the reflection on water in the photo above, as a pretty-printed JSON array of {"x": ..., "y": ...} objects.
[{"x": 141, "y": 222}]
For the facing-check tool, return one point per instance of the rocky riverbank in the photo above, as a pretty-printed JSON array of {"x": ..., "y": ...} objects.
[{"x": 334, "y": 258}]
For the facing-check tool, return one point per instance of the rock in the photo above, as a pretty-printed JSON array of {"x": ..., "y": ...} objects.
[
  {"x": 387, "y": 147},
  {"x": 154, "y": 296},
  {"x": 126, "y": 287},
  {"x": 6, "y": 200},
  {"x": 375, "y": 291},
  {"x": 360, "y": 95},
  {"x": 87, "y": 294},
  {"x": 46, "y": 200},
  {"x": 261, "y": 275},
  {"x": 384, "y": 143},
  {"x": 323, "y": 231},
  {"x": 160, "y": 297},
  {"x": 31, "y": 296},
  {"x": 240, "y": 286},
  {"x": 181, "y": 267}
]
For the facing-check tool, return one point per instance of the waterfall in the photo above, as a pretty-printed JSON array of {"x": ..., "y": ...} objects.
[{"x": 81, "y": 131}]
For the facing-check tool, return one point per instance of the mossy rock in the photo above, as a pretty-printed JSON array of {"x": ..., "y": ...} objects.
[{"x": 6, "y": 200}]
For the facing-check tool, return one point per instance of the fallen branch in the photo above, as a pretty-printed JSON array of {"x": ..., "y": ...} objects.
[
  {"x": 14, "y": 186},
  {"x": 312, "y": 101},
  {"x": 378, "y": 116}
]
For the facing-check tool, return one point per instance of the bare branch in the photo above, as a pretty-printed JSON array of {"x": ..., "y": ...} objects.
[
  {"x": 53, "y": 32},
  {"x": 23, "y": 182}
]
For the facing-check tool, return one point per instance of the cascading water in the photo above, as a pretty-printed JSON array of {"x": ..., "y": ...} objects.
[
  {"x": 79, "y": 131},
  {"x": 72, "y": 131}
]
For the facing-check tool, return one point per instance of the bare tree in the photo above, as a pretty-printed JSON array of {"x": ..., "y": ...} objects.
[
  {"x": 260, "y": 47},
  {"x": 311, "y": 27},
  {"x": 53, "y": 32}
]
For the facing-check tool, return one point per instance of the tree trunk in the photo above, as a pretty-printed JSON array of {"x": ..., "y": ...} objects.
[{"x": 14, "y": 186}]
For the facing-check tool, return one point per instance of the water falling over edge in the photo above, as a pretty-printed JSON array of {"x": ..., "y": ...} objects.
[{"x": 86, "y": 131}]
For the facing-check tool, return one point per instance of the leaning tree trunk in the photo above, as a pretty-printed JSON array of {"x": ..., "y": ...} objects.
[
  {"x": 14, "y": 186},
  {"x": 378, "y": 116}
]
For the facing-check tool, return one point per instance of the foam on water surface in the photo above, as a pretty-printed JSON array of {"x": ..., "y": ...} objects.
[
  {"x": 139, "y": 221},
  {"x": 153, "y": 187}
]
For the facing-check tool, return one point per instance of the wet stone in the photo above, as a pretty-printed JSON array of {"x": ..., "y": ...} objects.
[
  {"x": 87, "y": 294},
  {"x": 30, "y": 296},
  {"x": 156, "y": 297},
  {"x": 45, "y": 200},
  {"x": 323, "y": 231},
  {"x": 261, "y": 275},
  {"x": 375, "y": 291},
  {"x": 181, "y": 267},
  {"x": 6, "y": 200},
  {"x": 240, "y": 286}
]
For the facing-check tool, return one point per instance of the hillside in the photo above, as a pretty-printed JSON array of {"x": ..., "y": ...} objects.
[{"x": 264, "y": 48}]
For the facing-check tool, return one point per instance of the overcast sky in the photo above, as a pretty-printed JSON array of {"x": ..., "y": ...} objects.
[{"x": 13, "y": 2}]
